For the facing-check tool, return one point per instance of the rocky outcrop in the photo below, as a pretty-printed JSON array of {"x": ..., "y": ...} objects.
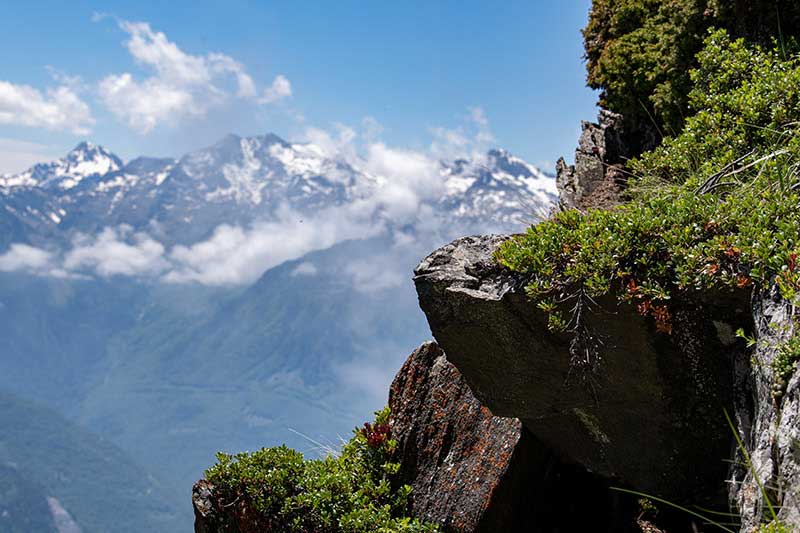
[
  {"x": 768, "y": 422},
  {"x": 652, "y": 415},
  {"x": 597, "y": 178},
  {"x": 206, "y": 519},
  {"x": 472, "y": 471},
  {"x": 456, "y": 456}
]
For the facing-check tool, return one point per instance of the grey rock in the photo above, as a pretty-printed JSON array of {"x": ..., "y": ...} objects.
[
  {"x": 769, "y": 427},
  {"x": 595, "y": 179},
  {"x": 652, "y": 415}
]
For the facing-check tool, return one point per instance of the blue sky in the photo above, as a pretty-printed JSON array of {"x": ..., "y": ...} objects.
[{"x": 163, "y": 78}]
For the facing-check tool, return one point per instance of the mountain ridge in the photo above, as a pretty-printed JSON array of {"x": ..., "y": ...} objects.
[{"x": 238, "y": 180}]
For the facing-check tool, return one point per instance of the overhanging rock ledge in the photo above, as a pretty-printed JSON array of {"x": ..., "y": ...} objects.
[{"x": 652, "y": 416}]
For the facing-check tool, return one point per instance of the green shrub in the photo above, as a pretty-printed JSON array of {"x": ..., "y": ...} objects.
[
  {"x": 689, "y": 226},
  {"x": 352, "y": 492},
  {"x": 744, "y": 99},
  {"x": 784, "y": 365},
  {"x": 774, "y": 527},
  {"x": 651, "y": 248},
  {"x": 639, "y": 52}
]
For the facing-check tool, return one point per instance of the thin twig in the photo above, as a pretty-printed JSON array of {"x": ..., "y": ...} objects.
[
  {"x": 717, "y": 175},
  {"x": 713, "y": 182}
]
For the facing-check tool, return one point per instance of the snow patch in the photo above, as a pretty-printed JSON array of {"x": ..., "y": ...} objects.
[
  {"x": 245, "y": 181},
  {"x": 61, "y": 517}
]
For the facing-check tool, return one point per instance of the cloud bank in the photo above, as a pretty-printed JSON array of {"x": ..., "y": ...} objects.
[
  {"x": 24, "y": 257},
  {"x": 116, "y": 251}
]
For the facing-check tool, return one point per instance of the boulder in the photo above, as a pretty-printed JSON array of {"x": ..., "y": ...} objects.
[
  {"x": 650, "y": 416},
  {"x": 453, "y": 452},
  {"x": 472, "y": 471}
]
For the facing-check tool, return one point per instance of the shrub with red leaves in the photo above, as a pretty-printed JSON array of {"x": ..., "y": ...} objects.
[{"x": 376, "y": 435}]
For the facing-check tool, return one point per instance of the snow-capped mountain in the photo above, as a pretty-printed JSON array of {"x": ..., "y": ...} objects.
[
  {"x": 85, "y": 161},
  {"x": 239, "y": 181},
  {"x": 504, "y": 191}
]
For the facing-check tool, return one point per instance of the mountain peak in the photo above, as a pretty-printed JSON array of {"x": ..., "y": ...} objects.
[
  {"x": 499, "y": 152},
  {"x": 232, "y": 140},
  {"x": 269, "y": 139},
  {"x": 240, "y": 180},
  {"x": 83, "y": 146},
  {"x": 85, "y": 160},
  {"x": 86, "y": 150}
]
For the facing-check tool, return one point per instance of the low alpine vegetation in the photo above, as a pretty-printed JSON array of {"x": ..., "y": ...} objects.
[
  {"x": 353, "y": 492},
  {"x": 714, "y": 207}
]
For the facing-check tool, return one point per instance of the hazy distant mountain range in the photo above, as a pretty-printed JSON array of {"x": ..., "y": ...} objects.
[
  {"x": 239, "y": 181},
  {"x": 234, "y": 298}
]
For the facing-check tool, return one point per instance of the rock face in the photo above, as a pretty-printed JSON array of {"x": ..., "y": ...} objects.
[
  {"x": 458, "y": 458},
  {"x": 473, "y": 471},
  {"x": 597, "y": 178},
  {"x": 651, "y": 417},
  {"x": 769, "y": 427},
  {"x": 205, "y": 514}
]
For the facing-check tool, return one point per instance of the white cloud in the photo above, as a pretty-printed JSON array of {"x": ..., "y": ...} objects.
[
  {"x": 153, "y": 49},
  {"x": 281, "y": 88},
  {"x": 222, "y": 64},
  {"x": 406, "y": 178},
  {"x": 181, "y": 84},
  {"x": 58, "y": 108},
  {"x": 468, "y": 141},
  {"x": 117, "y": 252},
  {"x": 143, "y": 105},
  {"x": 235, "y": 255},
  {"x": 24, "y": 257},
  {"x": 339, "y": 145}
]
